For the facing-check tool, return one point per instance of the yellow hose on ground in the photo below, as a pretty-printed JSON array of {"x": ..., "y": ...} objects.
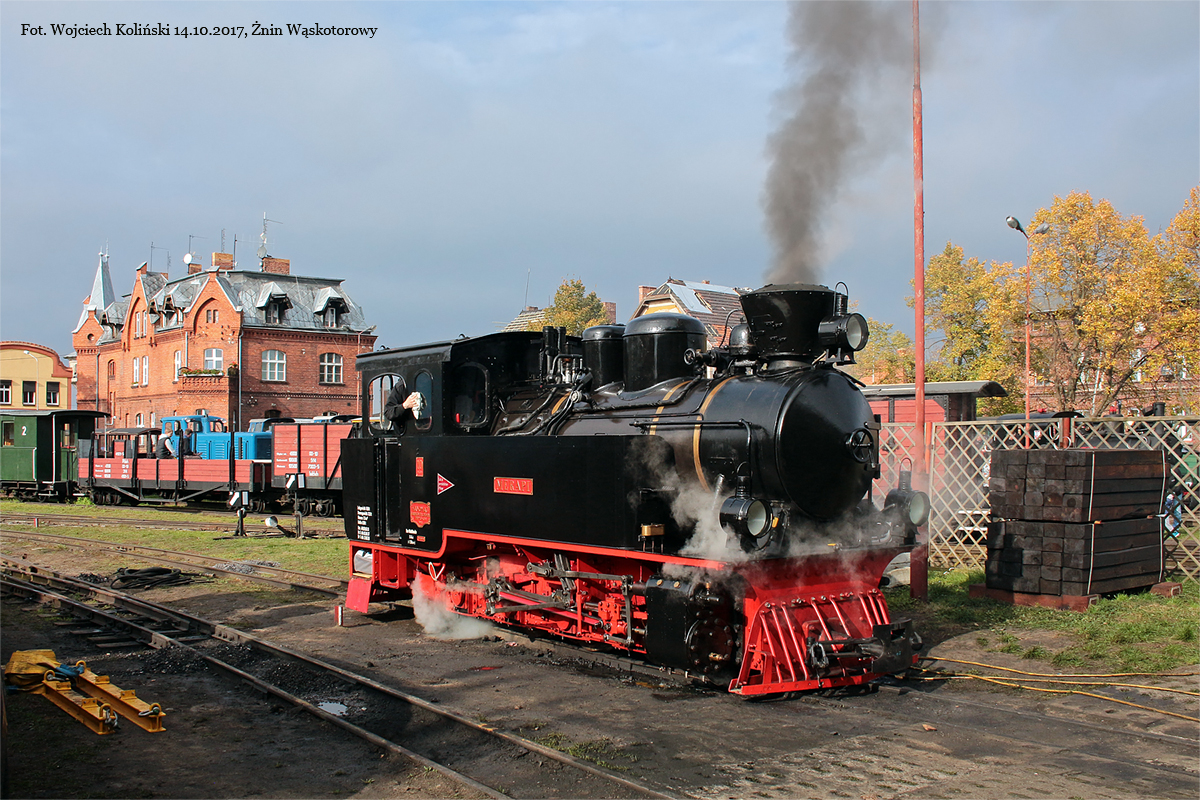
[
  {"x": 1064, "y": 675},
  {"x": 1058, "y": 691}
]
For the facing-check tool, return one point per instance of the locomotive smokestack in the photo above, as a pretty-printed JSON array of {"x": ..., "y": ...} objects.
[{"x": 841, "y": 49}]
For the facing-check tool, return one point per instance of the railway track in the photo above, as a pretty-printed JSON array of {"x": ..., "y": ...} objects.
[
  {"x": 275, "y": 576},
  {"x": 38, "y": 519},
  {"x": 471, "y": 753}
]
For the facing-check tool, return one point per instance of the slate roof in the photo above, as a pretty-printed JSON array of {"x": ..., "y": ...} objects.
[{"x": 248, "y": 292}]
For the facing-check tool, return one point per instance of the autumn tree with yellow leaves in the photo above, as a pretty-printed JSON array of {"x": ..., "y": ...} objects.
[
  {"x": 574, "y": 308},
  {"x": 1115, "y": 312},
  {"x": 887, "y": 358}
]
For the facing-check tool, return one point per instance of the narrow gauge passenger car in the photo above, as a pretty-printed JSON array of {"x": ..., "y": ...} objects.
[{"x": 39, "y": 451}]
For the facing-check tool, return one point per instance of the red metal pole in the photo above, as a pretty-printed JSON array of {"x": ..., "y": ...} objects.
[
  {"x": 1028, "y": 323},
  {"x": 919, "y": 564}
]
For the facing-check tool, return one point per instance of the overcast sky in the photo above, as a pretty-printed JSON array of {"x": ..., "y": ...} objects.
[{"x": 469, "y": 148}]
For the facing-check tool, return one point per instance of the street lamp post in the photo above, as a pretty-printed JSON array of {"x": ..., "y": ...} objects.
[{"x": 1015, "y": 224}]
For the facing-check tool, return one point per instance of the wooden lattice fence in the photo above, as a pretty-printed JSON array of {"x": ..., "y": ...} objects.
[{"x": 960, "y": 457}]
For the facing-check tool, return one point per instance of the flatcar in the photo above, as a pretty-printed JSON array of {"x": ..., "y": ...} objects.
[
  {"x": 38, "y": 451},
  {"x": 708, "y": 511},
  {"x": 278, "y": 463}
]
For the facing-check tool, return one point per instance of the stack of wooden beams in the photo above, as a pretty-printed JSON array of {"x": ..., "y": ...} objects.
[{"x": 1075, "y": 522}]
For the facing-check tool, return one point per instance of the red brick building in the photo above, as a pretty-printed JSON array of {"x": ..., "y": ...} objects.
[{"x": 237, "y": 344}]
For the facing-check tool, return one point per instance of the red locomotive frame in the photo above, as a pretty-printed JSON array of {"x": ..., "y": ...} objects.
[{"x": 829, "y": 600}]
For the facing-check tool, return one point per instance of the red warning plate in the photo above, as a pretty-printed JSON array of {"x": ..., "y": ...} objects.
[
  {"x": 419, "y": 513},
  {"x": 443, "y": 484},
  {"x": 513, "y": 486},
  {"x": 420, "y": 466}
]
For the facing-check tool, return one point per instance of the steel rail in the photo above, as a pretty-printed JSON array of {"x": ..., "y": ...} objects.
[
  {"x": 160, "y": 640},
  {"x": 50, "y": 518},
  {"x": 181, "y": 559},
  {"x": 225, "y": 633}
]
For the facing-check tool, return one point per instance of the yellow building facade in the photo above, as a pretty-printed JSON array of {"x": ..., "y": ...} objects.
[{"x": 32, "y": 377}]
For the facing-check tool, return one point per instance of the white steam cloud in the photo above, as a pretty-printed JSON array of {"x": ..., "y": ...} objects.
[
  {"x": 692, "y": 507},
  {"x": 433, "y": 611}
]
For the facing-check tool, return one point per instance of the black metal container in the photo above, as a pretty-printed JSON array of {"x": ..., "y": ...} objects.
[
  {"x": 604, "y": 354},
  {"x": 655, "y": 345}
]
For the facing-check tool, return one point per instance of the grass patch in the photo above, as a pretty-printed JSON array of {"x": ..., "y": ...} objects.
[
  {"x": 325, "y": 556},
  {"x": 601, "y": 752},
  {"x": 1138, "y": 632}
]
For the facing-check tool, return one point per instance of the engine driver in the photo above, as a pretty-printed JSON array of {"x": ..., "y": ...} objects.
[{"x": 400, "y": 402}]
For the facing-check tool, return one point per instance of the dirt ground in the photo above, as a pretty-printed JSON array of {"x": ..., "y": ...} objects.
[{"x": 226, "y": 741}]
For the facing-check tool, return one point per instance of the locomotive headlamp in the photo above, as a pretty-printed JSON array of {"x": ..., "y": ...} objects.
[
  {"x": 844, "y": 332},
  {"x": 914, "y": 506},
  {"x": 745, "y": 516}
]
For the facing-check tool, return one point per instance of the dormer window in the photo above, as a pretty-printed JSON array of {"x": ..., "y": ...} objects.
[{"x": 274, "y": 302}]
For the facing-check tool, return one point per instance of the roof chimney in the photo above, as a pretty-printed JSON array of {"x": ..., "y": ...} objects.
[
  {"x": 222, "y": 260},
  {"x": 645, "y": 291},
  {"x": 277, "y": 266}
]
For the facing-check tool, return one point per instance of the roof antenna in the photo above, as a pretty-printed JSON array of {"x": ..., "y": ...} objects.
[
  {"x": 191, "y": 256},
  {"x": 527, "y": 273},
  {"x": 262, "y": 250},
  {"x": 152, "y": 249}
]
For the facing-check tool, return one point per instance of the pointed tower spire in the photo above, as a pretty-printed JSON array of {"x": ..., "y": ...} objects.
[
  {"x": 102, "y": 288},
  {"x": 102, "y": 295}
]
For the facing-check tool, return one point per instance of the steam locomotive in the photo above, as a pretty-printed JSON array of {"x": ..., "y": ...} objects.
[{"x": 707, "y": 511}]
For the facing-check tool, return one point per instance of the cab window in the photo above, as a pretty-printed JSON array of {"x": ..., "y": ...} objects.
[
  {"x": 423, "y": 385},
  {"x": 381, "y": 386},
  {"x": 469, "y": 391}
]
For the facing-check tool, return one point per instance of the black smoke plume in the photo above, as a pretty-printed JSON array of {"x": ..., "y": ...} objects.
[{"x": 840, "y": 49}]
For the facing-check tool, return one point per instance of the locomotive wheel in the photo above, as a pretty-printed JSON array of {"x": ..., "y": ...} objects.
[
  {"x": 324, "y": 507},
  {"x": 304, "y": 506}
]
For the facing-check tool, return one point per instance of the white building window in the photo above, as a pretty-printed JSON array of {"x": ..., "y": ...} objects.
[
  {"x": 178, "y": 363},
  {"x": 137, "y": 371},
  {"x": 274, "y": 365},
  {"x": 214, "y": 358},
  {"x": 52, "y": 393},
  {"x": 331, "y": 368},
  {"x": 145, "y": 370},
  {"x": 5, "y": 393}
]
